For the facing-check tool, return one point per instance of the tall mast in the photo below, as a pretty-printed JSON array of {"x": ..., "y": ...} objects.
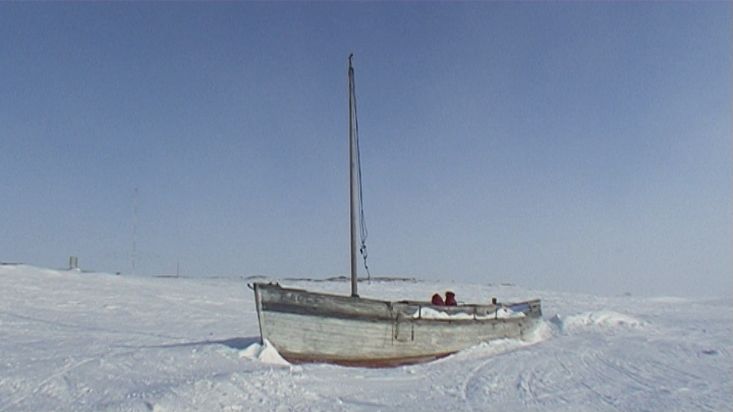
[{"x": 352, "y": 181}]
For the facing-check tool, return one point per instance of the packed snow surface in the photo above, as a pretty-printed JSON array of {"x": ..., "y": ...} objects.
[{"x": 90, "y": 341}]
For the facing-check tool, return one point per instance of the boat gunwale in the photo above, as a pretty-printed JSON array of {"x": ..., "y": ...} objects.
[
  {"x": 395, "y": 310},
  {"x": 320, "y": 313}
]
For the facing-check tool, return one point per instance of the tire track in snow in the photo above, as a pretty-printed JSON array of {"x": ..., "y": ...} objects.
[
  {"x": 57, "y": 374},
  {"x": 600, "y": 369},
  {"x": 545, "y": 383},
  {"x": 483, "y": 379}
]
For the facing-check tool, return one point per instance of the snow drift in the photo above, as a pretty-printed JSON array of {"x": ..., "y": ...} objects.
[{"x": 601, "y": 319}]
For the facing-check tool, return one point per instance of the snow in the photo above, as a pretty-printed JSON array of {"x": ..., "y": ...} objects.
[
  {"x": 431, "y": 313},
  {"x": 503, "y": 313},
  {"x": 606, "y": 319},
  {"x": 265, "y": 353},
  {"x": 80, "y": 341}
]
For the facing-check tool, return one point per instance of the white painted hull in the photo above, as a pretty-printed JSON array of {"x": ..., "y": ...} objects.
[{"x": 315, "y": 327}]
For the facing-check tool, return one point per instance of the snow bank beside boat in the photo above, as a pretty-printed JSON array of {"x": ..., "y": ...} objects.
[
  {"x": 541, "y": 332},
  {"x": 604, "y": 319},
  {"x": 265, "y": 353}
]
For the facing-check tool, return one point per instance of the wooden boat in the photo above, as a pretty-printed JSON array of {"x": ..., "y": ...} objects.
[{"x": 349, "y": 330}]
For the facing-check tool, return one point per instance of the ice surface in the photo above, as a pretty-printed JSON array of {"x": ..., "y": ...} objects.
[{"x": 89, "y": 342}]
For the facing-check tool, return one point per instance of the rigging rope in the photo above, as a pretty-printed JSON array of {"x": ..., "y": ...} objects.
[{"x": 362, "y": 220}]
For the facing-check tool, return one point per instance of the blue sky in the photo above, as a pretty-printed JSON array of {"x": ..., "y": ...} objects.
[{"x": 582, "y": 147}]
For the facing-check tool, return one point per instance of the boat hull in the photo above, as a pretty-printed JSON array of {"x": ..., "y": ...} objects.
[{"x": 316, "y": 327}]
